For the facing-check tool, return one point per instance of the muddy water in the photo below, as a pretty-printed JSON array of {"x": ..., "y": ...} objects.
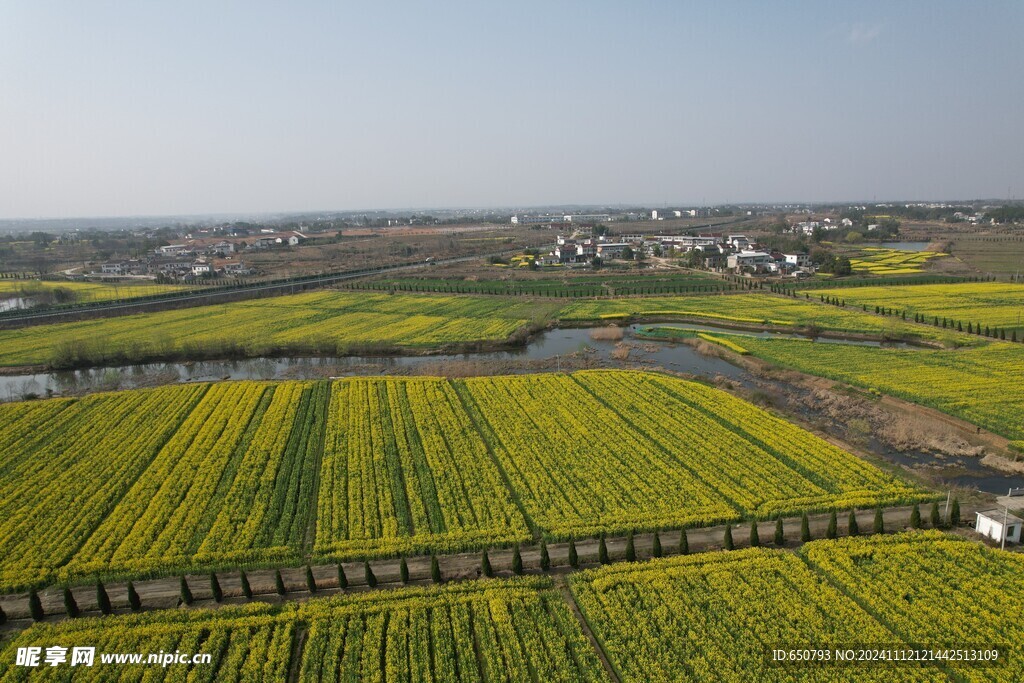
[
  {"x": 552, "y": 346},
  {"x": 782, "y": 335}
]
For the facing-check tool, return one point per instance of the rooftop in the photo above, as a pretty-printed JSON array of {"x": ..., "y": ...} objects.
[{"x": 997, "y": 515}]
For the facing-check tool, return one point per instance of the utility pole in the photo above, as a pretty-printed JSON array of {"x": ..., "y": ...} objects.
[{"x": 945, "y": 515}]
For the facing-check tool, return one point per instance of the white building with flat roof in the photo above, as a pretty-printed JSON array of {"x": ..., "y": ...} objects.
[{"x": 997, "y": 524}]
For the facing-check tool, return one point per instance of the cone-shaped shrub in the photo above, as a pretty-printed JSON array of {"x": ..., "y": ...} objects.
[
  {"x": 545, "y": 558},
  {"x": 727, "y": 541},
  {"x": 517, "y": 561},
  {"x": 684, "y": 543},
  {"x": 70, "y": 606},
  {"x": 279, "y": 583},
  {"x": 435, "y": 570},
  {"x": 602, "y": 551},
  {"x": 35, "y": 606},
  {"x": 630, "y": 548},
  {"x": 879, "y": 525},
  {"x": 780, "y": 533},
  {"x": 915, "y": 517},
  {"x": 574, "y": 558},
  {"x": 103, "y": 600},
  {"x": 833, "y": 526},
  {"x": 371, "y": 578},
  {"x": 342, "y": 579},
  {"x": 853, "y": 528},
  {"x": 954, "y": 513},
  {"x": 755, "y": 537},
  {"x": 485, "y": 565},
  {"x": 186, "y": 592},
  {"x": 246, "y": 588},
  {"x": 656, "y": 550},
  {"x": 403, "y": 571},
  {"x": 134, "y": 601},
  {"x": 805, "y": 528},
  {"x": 935, "y": 518},
  {"x": 218, "y": 594},
  {"x": 310, "y": 580}
]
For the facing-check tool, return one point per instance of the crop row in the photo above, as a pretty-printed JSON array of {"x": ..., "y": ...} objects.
[
  {"x": 570, "y": 286},
  {"x": 720, "y": 616},
  {"x": 714, "y": 616},
  {"x": 981, "y": 385},
  {"x": 517, "y": 630},
  {"x": 993, "y": 304},
  {"x": 146, "y": 482},
  {"x": 752, "y": 308},
  {"x": 332, "y": 322},
  {"x": 878, "y": 261},
  {"x": 322, "y": 322}
]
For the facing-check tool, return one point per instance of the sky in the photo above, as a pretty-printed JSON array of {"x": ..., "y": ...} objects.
[{"x": 154, "y": 108}]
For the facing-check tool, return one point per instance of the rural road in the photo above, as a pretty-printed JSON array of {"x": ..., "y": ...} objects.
[{"x": 164, "y": 592}]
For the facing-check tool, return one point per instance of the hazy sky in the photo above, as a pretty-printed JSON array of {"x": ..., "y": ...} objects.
[{"x": 145, "y": 107}]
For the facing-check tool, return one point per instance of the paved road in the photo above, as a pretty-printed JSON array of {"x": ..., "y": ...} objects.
[{"x": 165, "y": 592}]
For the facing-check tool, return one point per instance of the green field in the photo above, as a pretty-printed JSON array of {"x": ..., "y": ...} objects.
[
  {"x": 992, "y": 304},
  {"x": 882, "y": 261},
  {"x": 981, "y": 385},
  {"x": 333, "y": 322},
  {"x": 718, "y": 616},
  {"x": 148, "y": 482},
  {"x": 328, "y": 322},
  {"x": 755, "y": 308},
  {"x": 570, "y": 285},
  {"x": 713, "y": 616},
  {"x": 994, "y": 254},
  {"x": 513, "y": 630},
  {"x": 76, "y": 292}
]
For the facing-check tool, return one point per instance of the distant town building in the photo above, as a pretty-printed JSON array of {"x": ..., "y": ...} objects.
[
  {"x": 538, "y": 220},
  {"x": 587, "y": 218},
  {"x": 172, "y": 250}
]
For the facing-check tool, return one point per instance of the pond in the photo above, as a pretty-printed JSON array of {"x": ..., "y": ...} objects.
[
  {"x": 15, "y": 303},
  {"x": 958, "y": 471}
]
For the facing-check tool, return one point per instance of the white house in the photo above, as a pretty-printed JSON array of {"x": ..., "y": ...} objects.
[
  {"x": 738, "y": 242},
  {"x": 611, "y": 249},
  {"x": 798, "y": 260},
  {"x": 990, "y": 525},
  {"x": 201, "y": 268},
  {"x": 756, "y": 261}
]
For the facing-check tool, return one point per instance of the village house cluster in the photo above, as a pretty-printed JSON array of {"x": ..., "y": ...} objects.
[
  {"x": 200, "y": 256},
  {"x": 723, "y": 253}
]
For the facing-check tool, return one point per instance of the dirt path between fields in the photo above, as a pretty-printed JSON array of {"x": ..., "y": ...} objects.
[
  {"x": 165, "y": 593},
  {"x": 570, "y": 600}
]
